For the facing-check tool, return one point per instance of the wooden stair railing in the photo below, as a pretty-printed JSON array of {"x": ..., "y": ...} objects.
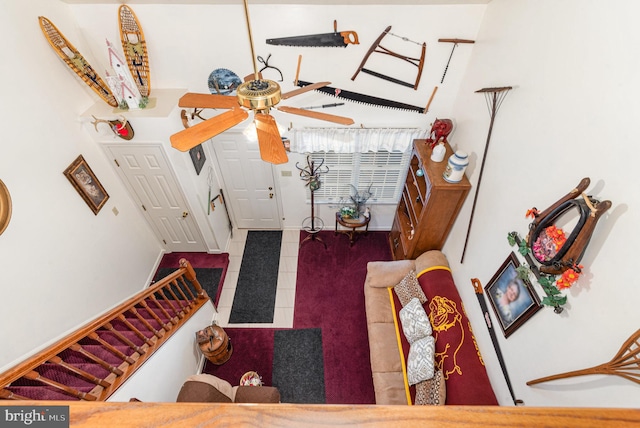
[{"x": 92, "y": 362}]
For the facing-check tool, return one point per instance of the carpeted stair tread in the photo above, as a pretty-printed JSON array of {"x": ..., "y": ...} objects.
[
  {"x": 61, "y": 375},
  {"x": 138, "y": 325},
  {"x": 42, "y": 393},
  {"x": 113, "y": 339},
  {"x": 100, "y": 352}
]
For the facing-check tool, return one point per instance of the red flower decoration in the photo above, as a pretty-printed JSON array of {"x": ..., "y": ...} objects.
[{"x": 533, "y": 212}]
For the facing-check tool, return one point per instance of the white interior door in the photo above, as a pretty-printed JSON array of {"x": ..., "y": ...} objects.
[
  {"x": 249, "y": 183},
  {"x": 154, "y": 186}
]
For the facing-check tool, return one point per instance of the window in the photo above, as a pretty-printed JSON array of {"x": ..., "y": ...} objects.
[{"x": 384, "y": 171}]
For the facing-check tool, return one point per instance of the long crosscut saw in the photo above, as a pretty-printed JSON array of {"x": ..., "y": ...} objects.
[
  {"x": 338, "y": 39},
  {"x": 365, "y": 99}
]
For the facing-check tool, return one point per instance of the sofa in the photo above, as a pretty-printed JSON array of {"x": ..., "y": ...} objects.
[
  {"x": 206, "y": 388},
  {"x": 459, "y": 374}
]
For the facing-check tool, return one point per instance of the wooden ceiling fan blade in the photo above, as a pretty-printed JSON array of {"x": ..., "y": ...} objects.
[
  {"x": 304, "y": 89},
  {"x": 198, "y": 134},
  {"x": 195, "y": 100},
  {"x": 317, "y": 115},
  {"x": 271, "y": 147}
]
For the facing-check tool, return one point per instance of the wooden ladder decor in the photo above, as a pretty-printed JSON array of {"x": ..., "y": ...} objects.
[
  {"x": 626, "y": 364},
  {"x": 377, "y": 48}
]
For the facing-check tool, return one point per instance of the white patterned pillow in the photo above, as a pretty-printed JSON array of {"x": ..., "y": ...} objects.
[
  {"x": 414, "y": 320},
  {"x": 420, "y": 360}
]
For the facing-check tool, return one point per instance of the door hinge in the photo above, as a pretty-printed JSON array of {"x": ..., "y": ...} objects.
[
  {"x": 144, "y": 208},
  {"x": 116, "y": 161}
]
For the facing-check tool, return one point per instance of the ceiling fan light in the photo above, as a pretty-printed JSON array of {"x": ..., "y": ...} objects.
[{"x": 259, "y": 94}]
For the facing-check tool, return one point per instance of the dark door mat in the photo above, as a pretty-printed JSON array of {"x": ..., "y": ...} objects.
[
  {"x": 298, "y": 366},
  {"x": 255, "y": 298}
]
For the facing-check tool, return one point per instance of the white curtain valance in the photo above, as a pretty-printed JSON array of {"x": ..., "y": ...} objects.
[{"x": 348, "y": 140}]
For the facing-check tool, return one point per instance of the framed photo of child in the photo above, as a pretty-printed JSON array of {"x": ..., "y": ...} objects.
[{"x": 513, "y": 299}]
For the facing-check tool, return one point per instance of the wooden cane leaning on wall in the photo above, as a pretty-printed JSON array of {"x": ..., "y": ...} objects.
[{"x": 626, "y": 364}]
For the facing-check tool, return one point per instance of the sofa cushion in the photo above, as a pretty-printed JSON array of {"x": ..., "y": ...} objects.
[
  {"x": 433, "y": 391},
  {"x": 201, "y": 392},
  {"x": 377, "y": 306},
  {"x": 420, "y": 360},
  {"x": 430, "y": 259},
  {"x": 409, "y": 288},
  {"x": 220, "y": 384},
  {"x": 390, "y": 388},
  {"x": 388, "y": 273},
  {"x": 383, "y": 348},
  {"x": 256, "y": 394},
  {"x": 414, "y": 320}
]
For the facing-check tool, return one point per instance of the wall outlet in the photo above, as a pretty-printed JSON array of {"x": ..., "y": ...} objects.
[
  {"x": 115, "y": 211},
  {"x": 286, "y": 173}
]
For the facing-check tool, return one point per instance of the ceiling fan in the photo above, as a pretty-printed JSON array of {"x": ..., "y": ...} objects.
[{"x": 256, "y": 94}]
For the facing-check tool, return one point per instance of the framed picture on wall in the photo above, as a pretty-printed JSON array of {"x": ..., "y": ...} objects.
[
  {"x": 513, "y": 299},
  {"x": 85, "y": 182},
  {"x": 198, "y": 158}
]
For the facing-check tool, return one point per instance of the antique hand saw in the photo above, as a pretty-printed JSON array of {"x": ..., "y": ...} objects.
[
  {"x": 364, "y": 99},
  {"x": 336, "y": 39}
]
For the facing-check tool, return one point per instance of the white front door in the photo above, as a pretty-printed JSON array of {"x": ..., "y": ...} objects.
[
  {"x": 248, "y": 181},
  {"x": 153, "y": 185}
]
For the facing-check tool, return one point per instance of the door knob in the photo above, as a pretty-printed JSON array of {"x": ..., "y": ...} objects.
[
  {"x": 270, "y": 188},
  {"x": 270, "y": 195},
  {"x": 185, "y": 214}
]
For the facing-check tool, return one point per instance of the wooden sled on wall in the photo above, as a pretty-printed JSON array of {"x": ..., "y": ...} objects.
[{"x": 569, "y": 255}]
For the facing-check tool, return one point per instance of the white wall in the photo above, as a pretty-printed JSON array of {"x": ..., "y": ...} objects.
[
  {"x": 570, "y": 115},
  {"x": 61, "y": 264}
]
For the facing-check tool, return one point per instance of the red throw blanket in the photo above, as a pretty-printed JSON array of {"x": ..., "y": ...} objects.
[{"x": 457, "y": 352}]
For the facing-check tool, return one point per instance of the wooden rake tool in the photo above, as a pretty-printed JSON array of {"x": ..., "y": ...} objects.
[{"x": 625, "y": 364}]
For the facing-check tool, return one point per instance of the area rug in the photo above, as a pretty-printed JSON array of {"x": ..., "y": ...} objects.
[
  {"x": 200, "y": 260},
  {"x": 255, "y": 297},
  {"x": 252, "y": 351},
  {"x": 298, "y": 367},
  {"x": 330, "y": 295},
  {"x": 209, "y": 279}
]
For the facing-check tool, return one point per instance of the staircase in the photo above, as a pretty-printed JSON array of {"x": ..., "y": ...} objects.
[{"x": 91, "y": 363}]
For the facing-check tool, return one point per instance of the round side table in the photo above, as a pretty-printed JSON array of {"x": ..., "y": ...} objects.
[{"x": 352, "y": 225}]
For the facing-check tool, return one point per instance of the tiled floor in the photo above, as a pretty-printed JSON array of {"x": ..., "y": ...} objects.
[{"x": 286, "y": 292}]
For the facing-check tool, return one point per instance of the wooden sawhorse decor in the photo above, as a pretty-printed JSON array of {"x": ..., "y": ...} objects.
[{"x": 376, "y": 47}]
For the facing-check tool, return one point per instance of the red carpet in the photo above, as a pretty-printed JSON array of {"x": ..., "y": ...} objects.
[
  {"x": 200, "y": 260},
  {"x": 330, "y": 296}
]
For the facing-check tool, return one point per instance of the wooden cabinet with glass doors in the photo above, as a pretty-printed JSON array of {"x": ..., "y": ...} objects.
[{"x": 428, "y": 206}]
